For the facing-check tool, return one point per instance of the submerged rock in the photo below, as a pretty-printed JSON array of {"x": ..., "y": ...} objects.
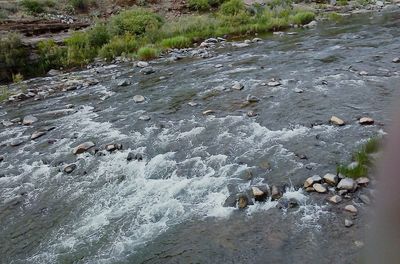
[
  {"x": 273, "y": 83},
  {"x": 365, "y": 199},
  {"x": 29, "y": 120},
  {"x": 144, "y": 118},
  {"x": 287, "y": 203},
  {"x": 69, "y": 168},
  {"x": 337, "y": 121},
  {"x": 132, "y": 156},
  {"x": 83, "y": 147},
  {"x": 147, "y": 70},
  {"x": 139, "y": 99}
]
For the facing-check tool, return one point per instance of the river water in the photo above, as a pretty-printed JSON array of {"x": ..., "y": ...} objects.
[{"x": 168, "y": 207}]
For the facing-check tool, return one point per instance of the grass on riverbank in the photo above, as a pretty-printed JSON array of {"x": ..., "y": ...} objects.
[
  {"x": 362, "y": 161},
  {"x": 144, "y": 34}
]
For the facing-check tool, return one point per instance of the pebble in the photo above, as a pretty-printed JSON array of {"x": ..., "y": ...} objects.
[
  {"x": 348, "y": 223},
  {"x": 366, "y": 121},
  {"x": 311, "y": 180},
  {"x": 138, "y": 99},
  {"x": 237, "y": 86},
  {"x": 144, "y": 118},
  {"x": 342, "y": 192},
  {"x": 83, "y": 147},
  {"x": 331, "y": 179},
  {"x": 336, "y": 121},
  {"x": 335, "y": 199},
  {"x": 363, "y": 73},
  {"x": 351, "y": 208},
  {"x": 69, "y": 168},
  {"x": 193, "y": 104},
  {"x": 16, "y": 142},
  {"x": 298, "y": 90},
  {"x": 347, "y": 184},
  {"x": 29, "y": 120},
  {"x": 208, "y": 112},
  {"x": 319, "y": 188},
  {"x": 396, "y": 60},
  {"x": 219, "y": 66},
  {"x": 273, "y": 83},
  {"x": 37, "y": 134}
]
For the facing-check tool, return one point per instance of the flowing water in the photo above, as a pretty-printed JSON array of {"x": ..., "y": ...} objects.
[{"x": 168, "y": 207}]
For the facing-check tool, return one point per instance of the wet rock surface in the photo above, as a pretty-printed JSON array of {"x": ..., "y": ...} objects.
[{"x": 162, "y": 194}]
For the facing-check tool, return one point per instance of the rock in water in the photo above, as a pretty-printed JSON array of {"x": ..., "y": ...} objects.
[
  {"x": 273, "y": 83},
  {"x": 252, "y": 99},
  {"x": 348, "y": 223},
  {"x": 319, "y": 188},
  {"x": 219, "y": 66},
  {"x": 335, "y": 199},
  {"x": 138, "y": 98},
  {"x": 311, "y": 180},
  {"x": 243, "y": 201},
  {"x": 29, "y": 120},
  {"x": 144, "y": 118},
  {"x": 347, "y": 184},
  {"x": 363, "y": 73},
  {"x": 208, "y": 112},
  {"x": 331, "y": 179},
  {"x": 366, "y": 121},
  {"x": 142, "y": 64},
  {"x": 193, "y": 104},
  {"x": 336, "y": 121},
  {"x": 147, "y": 70},
  {"x": 351, "y": 208},
  {"x": 83, "y": 147},
  {"x": 69, "y": 168},
  {"x": 275, "y": 193},
  {"x": 251, "y": 114},
  {"x": 237, "y": 86},
  {"x": 259, "y": 195},
  {"x": 396, "y": 60},
  {"x": 124, "y": 82},
  {"x": 37, "y": 134},
  {"x": 362, "y": 181}
]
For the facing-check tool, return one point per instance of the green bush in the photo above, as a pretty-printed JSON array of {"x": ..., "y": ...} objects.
[
  {"x": 51, "y": 56},
  {"x": 79, "y": 52},
  {"x": 191, "y": 26},
  {"x": 199, "y": 5},
  {"x": 13, "y": 53},
  {"x": 215, "y": 3},
  {"x": 147, "y": 53},
  {"x": 81, "y": 5},
  {"x": 343, "y": 2},
  {"x": 33, "y": 6},
  {"x": 135, "y": 22},
  {"x": 178, "y": 42},
  {"x": 232, "y": 7},
  {"x": 302, "y": 18},
  {"x": 98, "y": 36},
  {"x": 119, "y": 46}
]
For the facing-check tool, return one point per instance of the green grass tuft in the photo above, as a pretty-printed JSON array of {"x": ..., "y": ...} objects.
[
  {"x": 147, "y": 53},
  {"x": 302, "y": 18},
  {"x": 199, "y": 5},
  {"x": 178, "y": 42}
]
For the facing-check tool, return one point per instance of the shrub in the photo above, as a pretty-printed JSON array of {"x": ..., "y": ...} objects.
[
  {"x": 191, "y": 26},
  {"x": 147, "y": 53},
  {"x": 135, "y": 22},
  {"x": 32, "y": 6},
  {"x": 178, "y": 42},
  {"x": 4, "y": 93},
  {"x": 215, "y": 3},
  {"x": 51, "y": 56},
  {"x": 232, "y": 7},
  {"x": 81, "y": 5},
  {"x": 343, "y": 2},
  {"x": 302, "y": 18},
  {"x": 98, "y": 36},
  {"x": 199, "y": 5},
  {"x": 13, "y": 53},
  {"x": 79, "y": 52},
  {"x": 119, "y": 46}
]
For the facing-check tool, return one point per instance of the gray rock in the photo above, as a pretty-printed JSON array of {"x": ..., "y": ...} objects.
[
  {"x": 208, "y": 112},
  {"x": 124, "y": 82},
  {"x": 259, "y": 193},
  {"x": 132, "y": 156},
  {"x": 251, "y": 114},
  {"x": 335, "y": 199},
  {"x": 83, "y": 147},
  {"x": 311, "y": 180},
  {"x": 37, "y": 134},
  {"x": 287, "y": 203},
  {"x": 252, "y": 99},
  {"x": 362, "y": 181},
  {"x": 144, "y": 118},
  {"x": 347, "y": 184},
  {"x": 193, "y": 104},
  {"x": 16, "y": 120},
  {"x": 240, "y": 45},
  {"x": 379, "y": 3},
  {"x": 396, "y": 60},
  {"x": 331, "y": 179},
  {"x": 139, "y": 99},
  {"x": 365, "y": 199},
  {"x": 363, "y": 73},
  {"x": 298, "y": 90},
  {"x": 29, "y": 120},
  {"x": 142, "y": 64},
  {"x": 348, "y": 223},
  {"x": 337, "y": 121},
  {"x": 69, "y": 168},
  {"x": 342, "y": 192},
  {"x": 53, "y": 72},
  {"x": 16, "y": 142},
  {"x": 256, "y": 40},
  {"x": 147, "y": 70},
  {"x": 273, "y": 83},
  {"x": 319, "y": 188},
  {"x": 237, "y": 86},
  {"x": 351, "y": 208},
  {"x": 7, "y": 123},
  {"x": 366, "y": 121},
  {"x": 230, "y": 201},
  {"x": 311, "y": 24},
  {"x": 276, "y": 193},
  {"x": 211, "y": 40},
  {"x": 219, "y": 66}
]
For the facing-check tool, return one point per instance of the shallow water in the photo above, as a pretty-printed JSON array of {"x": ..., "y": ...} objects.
[{"x": 168, "y": 207}]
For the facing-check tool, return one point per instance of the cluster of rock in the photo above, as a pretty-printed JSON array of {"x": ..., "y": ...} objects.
[{"x": 362, "y": 121}]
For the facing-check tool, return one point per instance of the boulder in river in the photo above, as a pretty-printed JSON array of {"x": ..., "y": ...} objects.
[
  {"x": 16, "y": 142},
  {"x": 351, "y": 208},
  {"x": 69, "y": 168},
  {"x": 144, "y": 118},
  {"x": 273, "y": 83},
  {"x": 362, "y": 181},
  {"x": 29, "y": 120},
  {"x": 319, "y": 188},
  {"x": 347, "y": 184},
  {"x": 208, "y": 112},
  {"x": 252, "y": 99},
  {"x": 134, "y": 156},
  {"x": 335, "y": 199},
  {"x": 363, "y": 73},
  {"x": 311, "y": 24},
  {"x": 83, "y": 147},
  {"x": 276, "y": 193},
  {"x": 37, "y": 134},
  {"x": 242, "y": 201},
  {"x": 311, "y": 180},
  {"x": 251, "y": 114},
  {"x": 259, "y": 193},
  {"x": 142, "y": 64},
  {"x": 337, "y": 121},
  {"x": 331, "y": 179},
  {"x": 192, "y": 104},
  {"x": 396, "y": 60},
  {"x": 348, "y": 223},
  {"x": 237, "y": 86},
  {"x": 124, "y": 82},
  {"x": 139, "y": 99},
  {"x": 366, "y": 121}
]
